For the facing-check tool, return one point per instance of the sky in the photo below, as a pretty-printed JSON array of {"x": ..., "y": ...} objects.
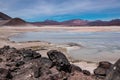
[{"x": 61, "y": 10}]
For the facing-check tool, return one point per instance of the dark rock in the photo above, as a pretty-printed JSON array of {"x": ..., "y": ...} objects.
[
  {"x": 105, "y": 64},
  {"x": 114, "y": 73},
  {"x": 1, "y": 60},
  {"x": 9, "y": 55},
  {"x": 86, "y": 72},
  {"x": 37, "y": 72},
  {"x": 29, "y": 54},
  {"x": 46, "y": 62},
  {"x": 36, "y": 55},
  {"x": 9, "y": 64},
  {"x": 41, "y": 67},
  {"x": 75, "y": 68},
  {"x": 24, "y": 73},
  {"x": 14, "y": 69},
  {"x": 5, "y": 48},
  {"x": 41, "y": 72},
  {"x": 59, "y": 60},
  {"x": 19, "y": 63},
  {"x": 5, "y": 74},
  {"x": 26, "y": 53},
  {"x": 74, "y": 44},
  {"x": 102, "y": 70}
]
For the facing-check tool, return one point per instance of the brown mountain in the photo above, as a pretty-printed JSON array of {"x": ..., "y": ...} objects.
[
  {"x": 46, "y": 22},
  {"x": 115, "y": 22},
  {"x": 8, "y": 21},
  {"x": 15, "y": 22},
  {"x": 4, "y": 16}
]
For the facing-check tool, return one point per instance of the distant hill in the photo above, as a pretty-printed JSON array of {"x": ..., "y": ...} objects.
[
  {"x": 115, "y": 22},
  {"x": 97, "y": 23},
  {"x": 46, "y": 22},
  {"x": 15, "y": 21},
  {"x": 75, "y": 22},
  {"x": 6, "y": 20}
]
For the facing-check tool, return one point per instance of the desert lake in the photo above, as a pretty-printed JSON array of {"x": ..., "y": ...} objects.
[{"x": 97, "y": 46}]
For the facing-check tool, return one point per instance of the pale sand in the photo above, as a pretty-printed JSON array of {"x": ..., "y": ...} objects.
[
  {"x": 6, "y": 32},
  {"x": 86, "y": 66}
]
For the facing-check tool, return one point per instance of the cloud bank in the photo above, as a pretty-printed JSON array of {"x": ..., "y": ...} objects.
[{"x": 38, "y": 8}]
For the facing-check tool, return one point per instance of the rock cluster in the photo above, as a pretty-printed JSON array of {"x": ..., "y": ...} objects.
[{"x": 26, "y": 64}]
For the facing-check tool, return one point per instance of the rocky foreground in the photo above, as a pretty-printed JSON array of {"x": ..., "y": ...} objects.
[{"x": 26, "y": 64}]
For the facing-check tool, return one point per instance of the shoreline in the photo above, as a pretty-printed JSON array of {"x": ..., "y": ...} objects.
[{"x": 6, "y": 32}]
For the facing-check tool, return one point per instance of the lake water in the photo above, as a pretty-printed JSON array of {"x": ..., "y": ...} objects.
[{"x": 98, "y": 46}]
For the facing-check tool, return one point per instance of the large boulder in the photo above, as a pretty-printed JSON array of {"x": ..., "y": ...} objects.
[
  {"x": 75, "y": 68},
  {"x": 114, "y": 73},
  {"x": 105, "y": 64},
  {"x": 86, "y": 72},
  {"x": 59, "y": 60},
  {"x": 102, "y": 70}
]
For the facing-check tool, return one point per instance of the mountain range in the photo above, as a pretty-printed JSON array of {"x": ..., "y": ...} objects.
[{"x": 6, "y": 20}]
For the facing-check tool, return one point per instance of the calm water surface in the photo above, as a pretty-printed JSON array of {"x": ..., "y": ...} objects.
[{"x": 98, "y": 46}]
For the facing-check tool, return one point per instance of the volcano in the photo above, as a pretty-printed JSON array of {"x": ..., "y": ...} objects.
[
  {"x": 15, "y": 22},
  {"x": 6, "y": 20}
]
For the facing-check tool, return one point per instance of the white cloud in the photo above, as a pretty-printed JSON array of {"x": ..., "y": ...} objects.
[{"x": 47, "y": 8}]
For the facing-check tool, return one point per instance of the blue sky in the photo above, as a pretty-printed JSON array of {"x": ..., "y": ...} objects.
[{"x": 60, "y": 10}]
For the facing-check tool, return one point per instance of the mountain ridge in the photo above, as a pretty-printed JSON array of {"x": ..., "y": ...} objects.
[
  {"x": 80, "y": 22},
  {"x": 6, "y": 20}
]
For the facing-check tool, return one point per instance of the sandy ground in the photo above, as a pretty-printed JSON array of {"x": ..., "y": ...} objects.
[{"x": 43, "y": 47}]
